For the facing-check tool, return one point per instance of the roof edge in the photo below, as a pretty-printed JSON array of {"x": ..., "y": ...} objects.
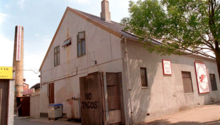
[
  {"x": 53, "y": 38},
  {"x": 84, "y": 17},
  {"x": 192, "y": 54},
  {"x": 95, "y": 22}
]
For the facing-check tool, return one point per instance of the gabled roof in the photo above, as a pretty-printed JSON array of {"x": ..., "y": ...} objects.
[{"x": 110, "y": 26}]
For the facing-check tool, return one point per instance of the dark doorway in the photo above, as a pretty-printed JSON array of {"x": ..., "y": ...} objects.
[
  {"x": 23, "y": 104},
  {"x": 4, "y": 89}
]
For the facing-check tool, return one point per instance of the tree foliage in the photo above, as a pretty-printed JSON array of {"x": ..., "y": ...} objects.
[{"x": 180, "y": 25}]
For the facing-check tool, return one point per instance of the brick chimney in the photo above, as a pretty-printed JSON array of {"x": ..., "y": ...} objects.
[{"x": 105, "y": 14}]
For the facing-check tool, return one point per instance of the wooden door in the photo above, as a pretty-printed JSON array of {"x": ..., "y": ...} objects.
[
  {"x": 4, "y": 89},
  {"x": 115, "y": 98},
  {"x": 51, "y": 93},
  {"x": 23, "y": 105},
  {"x": 91, "y": 99}
]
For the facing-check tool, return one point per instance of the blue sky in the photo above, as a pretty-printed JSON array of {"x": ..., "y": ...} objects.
[{"x": 40, "y": 19}]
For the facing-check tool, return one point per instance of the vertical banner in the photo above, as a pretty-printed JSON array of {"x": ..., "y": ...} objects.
[
  {"x": 167, "y": 70},
  {"x": 18, "y": 43},
  {"x": 202, "y": 78}
]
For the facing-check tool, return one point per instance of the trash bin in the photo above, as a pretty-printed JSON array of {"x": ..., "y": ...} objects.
[{"x": 55, "y": 111}]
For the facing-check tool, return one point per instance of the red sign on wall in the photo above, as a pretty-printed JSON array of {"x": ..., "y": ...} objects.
[
  {"x": 28, "y": 91},
  {"x": 202, "y": 78},
  {"x": 167, "y": 70},
  {"x": 18, "y": 43}
]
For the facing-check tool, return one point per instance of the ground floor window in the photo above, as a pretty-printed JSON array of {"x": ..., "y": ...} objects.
[
  {"x": 187, "y": 82},
  {"x": 213, "y": 82},
  {"x": 144, "y": 82}
]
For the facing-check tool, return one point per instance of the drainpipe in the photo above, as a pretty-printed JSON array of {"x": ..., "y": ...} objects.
[{"x": 128, "y": 73}]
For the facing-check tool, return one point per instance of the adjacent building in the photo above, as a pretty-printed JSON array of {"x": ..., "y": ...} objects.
[
  {"x": 114, "y": 77},
  {"x": 7, "y": 84}
]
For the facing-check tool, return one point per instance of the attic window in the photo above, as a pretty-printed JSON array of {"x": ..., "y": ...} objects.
[{"x": 67, "y": 42}]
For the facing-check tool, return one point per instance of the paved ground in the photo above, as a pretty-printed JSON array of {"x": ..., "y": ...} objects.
[
  {"x": 42, "y": 121},
  {"x": 203, "y": 115}
]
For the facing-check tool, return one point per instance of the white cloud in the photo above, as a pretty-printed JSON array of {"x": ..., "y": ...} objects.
[
  {"x": 36, "y": 35},
  {"x": 3, "y": 17},
  {"x": 6, "y": 51},
  {"x": 21, "y": 3}
]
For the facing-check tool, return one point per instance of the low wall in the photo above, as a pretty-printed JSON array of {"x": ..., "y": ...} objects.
[{"x": 35, "y": 106}]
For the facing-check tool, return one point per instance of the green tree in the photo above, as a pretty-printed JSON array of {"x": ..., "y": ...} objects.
[{"x": 180, "y": 25}]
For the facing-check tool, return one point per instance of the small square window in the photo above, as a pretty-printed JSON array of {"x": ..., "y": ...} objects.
[
  {"x": 144, "y": 81},
  {"x": 67, "y": 42}
]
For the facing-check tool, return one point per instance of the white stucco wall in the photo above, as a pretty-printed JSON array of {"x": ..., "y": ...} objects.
[
  {"x": 165, "y": 94},
  {"x": 101, "y": 46},
  {"x": 11, "y": 100},
  {"x": 34, "y": 106}
]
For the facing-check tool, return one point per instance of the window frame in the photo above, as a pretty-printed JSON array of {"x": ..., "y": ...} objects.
[
  {"x": 80, "y": 41},
  {"x": 212, "y": 83},
  {"x": 57, "y": 55},
  {"x": 146, "y": 78},
  {"x": 190, "y": 80}
]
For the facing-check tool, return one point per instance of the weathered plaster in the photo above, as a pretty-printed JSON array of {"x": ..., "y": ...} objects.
[{"x": 100, "y": 46}]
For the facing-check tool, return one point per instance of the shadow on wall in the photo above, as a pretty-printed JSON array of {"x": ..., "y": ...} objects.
[
  {"x": 140, "y": 96},
  {"x": 165, "y": 122}
]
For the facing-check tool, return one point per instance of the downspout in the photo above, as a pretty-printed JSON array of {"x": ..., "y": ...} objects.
[{"x": 128, "y": 73}]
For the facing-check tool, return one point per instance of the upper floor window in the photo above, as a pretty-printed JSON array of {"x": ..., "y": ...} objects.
[
  {"x": 67, "y": 42},
  {"x": 81, "y": 44},
  {"x": 56, "y": 55}
]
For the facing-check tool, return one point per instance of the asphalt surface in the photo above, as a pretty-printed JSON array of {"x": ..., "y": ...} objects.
[
  {"x": 203, "y": 115},
  {"x": 42, "y": 121}
]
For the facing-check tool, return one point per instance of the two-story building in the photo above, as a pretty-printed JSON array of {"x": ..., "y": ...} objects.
[{"x": 117, "y": 80}]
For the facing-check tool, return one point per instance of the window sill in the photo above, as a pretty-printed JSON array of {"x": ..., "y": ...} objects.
[
  {"x": 81, "y": 56},
  {"x": 189, "y": 93},
  {"x": 144, "y": 87}
]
